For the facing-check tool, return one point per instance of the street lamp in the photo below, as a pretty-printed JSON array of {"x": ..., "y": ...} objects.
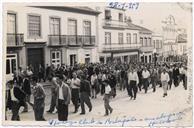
[{"x": 154, "y": 53}]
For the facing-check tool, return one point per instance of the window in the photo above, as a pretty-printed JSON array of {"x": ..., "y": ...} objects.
[
  {"x": 8, "y": 67},
  {"x": 34, "y": 26},
  {"x": 135, "y": 38},
  {"x": 120, "y": 38},
  {"x": 73, "y": 59},
  {"x": 72, "y": 27},
  {"x": 55, "y": 26},
  {"x": 120, "y": 17},
  {"x": 141, "y": 41},
  {"x": 154, "y": 43},
  {"x": 157, "y": 44},
  {"x": 146, "y": 42},
  {"x": 107, "y": 14},
  {"x": 160, "y": 44},
  {"x": 107, "y": 38},
  {"x": 129, "y": 38},
  {"x": 11, "y": 23},
  {"x": 11, "y": 64},
  {"x": 184, "y": 48},
  {"x": 149, "y": 42},
  {"x": 56, "y": 58},
  {"x": 87, "y": 28}
]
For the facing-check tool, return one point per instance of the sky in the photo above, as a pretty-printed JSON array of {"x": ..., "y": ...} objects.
[{"x": 152, "y": 15}]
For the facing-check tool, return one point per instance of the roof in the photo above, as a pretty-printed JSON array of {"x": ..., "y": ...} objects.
[
  {"x": 143, "y": 30},
  {"x": 182, "y": 38},
  {"x": 133, "y": 26},
  {"x": 77, "y": 9}
]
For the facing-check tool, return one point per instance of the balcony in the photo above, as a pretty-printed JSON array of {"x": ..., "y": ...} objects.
[
  {"x": 71, "y": 40},
  {"x": 109, "y": 23},
  {"x": 120, "y": 47},
  {"x": 88, "y": 40},
  {"x": 15, "y": 40},
  {"x": 149, "y": 48}
]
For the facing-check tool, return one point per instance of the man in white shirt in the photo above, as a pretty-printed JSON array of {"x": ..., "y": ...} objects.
[
  {"x": 145, "y": 75},
  {"x": 133, "y": 81},
  {"x": 75, "y": 85},
  {"x": 106, "y": 98},
  {"x": 63, "y": 99},
  {"x": 29, "y": 71},
  {"x": 165, "y": 79}
]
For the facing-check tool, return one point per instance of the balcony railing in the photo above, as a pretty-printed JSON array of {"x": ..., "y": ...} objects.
[
  {"x": 114, "y": 23},
  {"x": 147, "y": 48},
  {"x": 15, "y": 40},
  {"x": 71, "y": 40},
  {"x": 124, "y": 46}
]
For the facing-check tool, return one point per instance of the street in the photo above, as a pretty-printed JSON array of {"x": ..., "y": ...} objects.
[{"x": 145, "y": 106}]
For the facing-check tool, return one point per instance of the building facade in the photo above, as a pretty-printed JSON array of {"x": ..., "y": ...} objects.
[
  {"x": 49, "y": 35},
  {"x": 146, "y": 50},
  {"x": 170, "y": 34},
  {"x": 181, "y": 41},
  {"x": 157, "y": 41},
  {"x": 118, "y": 37}
]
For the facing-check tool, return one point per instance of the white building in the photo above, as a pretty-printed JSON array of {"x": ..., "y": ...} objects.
[
  {"x": 157, "y": 41},
  {"x": 181, "y": 44},
  {"x": 170, "y": 34},
  {"x": 118, "y": 37},
  {"x": 49, "y": 35},
  {"x": 146, "y": 50}
]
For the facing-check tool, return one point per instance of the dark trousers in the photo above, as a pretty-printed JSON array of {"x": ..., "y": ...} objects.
[
  {"x": 146, "y": 84},
  {"x": 15, "y": 110},
  {"x": 102, "y": 88},
  {"x": 184, "y": 78},
  {"x": 84, "y": 98},
  {"x": 75, "y": 98},
  {"x": 169, "y": 84},
  {"x": 122, "y": 84},
  {"x": 140, "y": 84},
  {"x": 62, "y": 110},
  {"x": 113, "y": 89},
  {"x": 27, "y": 100},
  {"x": 53, "y": 101},
  {"x": 39, "y": 109},
  {"x": 153, "y": 81},
  {"x": 41, "y": 76},
  {"x": 106, "y": 104},
  {"x": 176, "y": 82},
  {"x": 132, "y": 90}
]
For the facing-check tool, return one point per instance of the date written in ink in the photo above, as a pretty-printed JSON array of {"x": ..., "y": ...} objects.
[{"x": 124, "y": 6}]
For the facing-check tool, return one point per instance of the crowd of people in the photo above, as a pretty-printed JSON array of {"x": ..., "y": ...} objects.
[{"x": 82, "y": 83}]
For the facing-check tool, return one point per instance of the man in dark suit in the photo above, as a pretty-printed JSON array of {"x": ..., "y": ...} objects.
[
  {"x": 85, "y": 94},
  {"x": 112, "y": 82},
  {"x": 15, "y": 99},
  {"x": 63, "y": 99},
  {"x": 27, "y": 89},
  {"x": 176, "y": 76}
]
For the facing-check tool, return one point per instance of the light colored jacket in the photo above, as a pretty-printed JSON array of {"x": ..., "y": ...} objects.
[{"x": 66, "y": 93}]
